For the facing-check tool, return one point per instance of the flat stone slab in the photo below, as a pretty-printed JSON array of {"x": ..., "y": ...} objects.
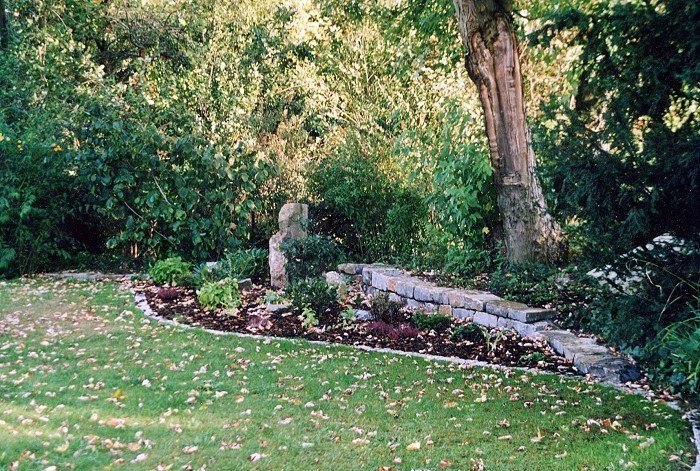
[
  {"x": 485, "y": 319},
  {"x": 245, "y": 284},
  {"x": 531, "y": 314},
  {"x": 461, "y": 313},
  {"x": 405, "y": 287},
  {"x": 277, "y": 308},
  {"x": 429, "y": 293},
  {"x": 478, "y": 300},
  {"x": 363, "y": 315},
  {"x": 352, "y": 268},
  {"x": 468, "y": 299},
  {"x": 501, "y": 307},
  {"x": 335, "y": 278}
]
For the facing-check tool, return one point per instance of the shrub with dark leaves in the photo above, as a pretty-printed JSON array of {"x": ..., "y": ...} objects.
[
  {"x": 309, "y": 257},
  {"x": 386, "y": 310},
  {"x": 168, "y": 294},
  {"x": 427, "y": 322},
  {"x": 471, "y": 332},
  {"x": 313, "y": 293},
  {"x": 382, "y": 329}
]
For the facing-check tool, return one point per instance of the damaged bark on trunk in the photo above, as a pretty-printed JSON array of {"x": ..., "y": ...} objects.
[{"x": 486, "y": 28}]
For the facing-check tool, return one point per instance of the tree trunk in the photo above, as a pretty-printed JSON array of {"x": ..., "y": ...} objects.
[{"x": 486, "y": 28}]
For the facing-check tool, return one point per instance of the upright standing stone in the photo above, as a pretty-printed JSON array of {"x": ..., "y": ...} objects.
[{"x": 293, "y": 219}]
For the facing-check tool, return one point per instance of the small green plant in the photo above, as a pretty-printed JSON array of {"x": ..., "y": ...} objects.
[
  {"x": 273, "y": 297},
  {"x": 314, "y": 294},
  {"x": 309, "y": 257},
  {"x": 224, "y": 294},
  {"x": 536, "y": 357},
  {"x": 472, "y": 332},
  {"x": 675, "y": 357},
  {"x": 309, "y": 318},
  {"x": 242, "y": 263},
  {"x": 386, "y": 310},
  {"x": 347, "y": 316},
  {"x": 172, "y": 270},
  {"x": 245, "y": 263},
  {"x": 436, "y": 322},
  {"x": 493, "y": 339}
]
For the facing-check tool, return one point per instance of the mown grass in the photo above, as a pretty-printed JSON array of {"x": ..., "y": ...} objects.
[{"x": 87, "y": 382}]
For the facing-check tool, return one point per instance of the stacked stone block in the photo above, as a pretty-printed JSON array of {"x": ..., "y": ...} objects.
[{"x": 479, "y": 306}]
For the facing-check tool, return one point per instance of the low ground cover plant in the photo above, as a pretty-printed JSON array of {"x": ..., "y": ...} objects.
[
  {"x": 172, "y": 270},
  {"x": 314, "y": 294},
  {"x": 437, "y": 322},
  {"x": 471, "y": 332},
  {"x": 219, "y": 294},
  {"x": 393, "y": 332}
]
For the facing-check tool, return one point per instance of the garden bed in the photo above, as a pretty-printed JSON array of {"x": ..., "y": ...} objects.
[{"x": 499, "y": 346}]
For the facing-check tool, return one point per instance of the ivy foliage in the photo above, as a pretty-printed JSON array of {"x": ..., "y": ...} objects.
[
  {"x": 309, "y": 257},
  {"x": 622, "y": 150}
]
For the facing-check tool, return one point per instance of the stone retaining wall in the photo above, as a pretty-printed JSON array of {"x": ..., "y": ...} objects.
[
  {"x": 489, "y": 310},
  {"x": 479, "y": 306}
]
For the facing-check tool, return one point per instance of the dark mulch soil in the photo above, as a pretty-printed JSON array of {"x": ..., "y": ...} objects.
[{"x": 181, "y": 304}]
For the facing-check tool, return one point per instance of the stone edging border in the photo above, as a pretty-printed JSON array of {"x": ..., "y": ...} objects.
[
  {"x": 489, "y": 310},
  {"x": 693, "y": 417}
]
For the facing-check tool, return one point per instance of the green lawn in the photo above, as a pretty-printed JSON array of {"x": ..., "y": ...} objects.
[{"x": 87, "y": 382}]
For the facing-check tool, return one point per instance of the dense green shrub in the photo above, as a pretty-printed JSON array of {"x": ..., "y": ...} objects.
[
  {"x": 172, "y": 270},
  {"x": 239, "y": 264},
  {"x": 471, "y": 332},
  {"x": 454, "y": 168},
  {"x": 644, "y": 309},
  {"x": 654, "y": 289},
  {"x": 361, "y": 204},
  {"x": 310, "y": 256},
  {"x": 219, "y": 294},
  {"x": 386, "y": 310},
  {"x": 312, "y": 293},
  {"x": 428, "y": 322},
  {"x": 621, "y": 150}
]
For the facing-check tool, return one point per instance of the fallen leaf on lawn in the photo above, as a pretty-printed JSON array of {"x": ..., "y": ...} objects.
[
  {"x": 189, "y": 449},
  {"x": 257, "y": 456},
  {"x": 646, "y": 443},
  {"x": 117, "y": 423},
  {"x": 62, "y": 448},
  {"x": 413, "y": 446}
]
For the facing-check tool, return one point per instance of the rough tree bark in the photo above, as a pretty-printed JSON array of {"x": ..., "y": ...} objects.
[{"x": 486, "y": 28}]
